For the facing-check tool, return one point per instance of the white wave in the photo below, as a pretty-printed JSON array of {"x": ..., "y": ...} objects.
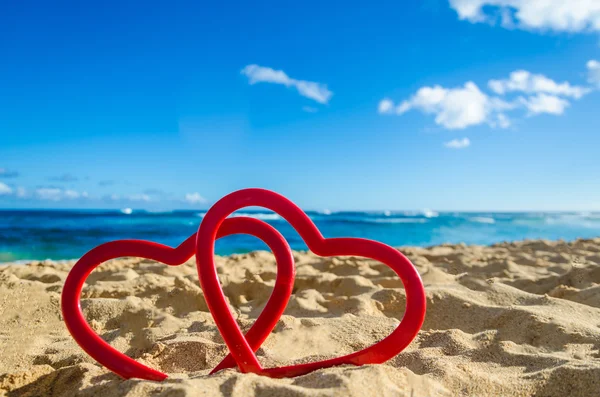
[
  {"x": 483, "y": 219},
  {"x": 427, "y": 213},
  {"x": 387, "y": 213},
  {"x": 587, "y": 221},
  {"x": 325, "y": 212},
  {"x": 200, "y": 214},
  {"x": 126, "y": 211},
  {"x": 258, "y": 215},
  {"x": 430, "y": 214},
  {"x": 398, "y": 220},
  {"x": 590, "y": 215}
]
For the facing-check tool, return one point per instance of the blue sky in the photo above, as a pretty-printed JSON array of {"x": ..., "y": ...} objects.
[{"x": 450, "y": 105}]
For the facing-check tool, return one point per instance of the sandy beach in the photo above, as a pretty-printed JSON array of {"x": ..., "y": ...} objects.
[{"x": 518, "y": 319}]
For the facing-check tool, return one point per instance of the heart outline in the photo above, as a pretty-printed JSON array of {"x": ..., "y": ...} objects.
[
  {"x": 127, "y": 367},
  {"x": 239, "y": 348}
]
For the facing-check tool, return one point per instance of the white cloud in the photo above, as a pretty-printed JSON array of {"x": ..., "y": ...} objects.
[
  {"x": 5, "y": 189},
  {"x": 309, "y": 89},
  {"x": 71, "y": 194},
  {"x": 454, "y": 108},
  {"x": 49, "y": 193},
  {"x": 258, "y": 74},
  {"x": 458, "y": 143},
  {"x": 466, "y": 106},
  {"x": 544, "y": 103},
  {"x": 194, "y": 198},
  {"x": 524, "y": 81},
  {"x": 557, "y": 15},
  {"x": 593, "y": 68},
  {"x": 403, "y": 107},
  {"x": 385, "y": 106},
  {"x": 139, "y": 197},
  {"x": 55, "y": 194},
  {"x": 502, "y": 121}
]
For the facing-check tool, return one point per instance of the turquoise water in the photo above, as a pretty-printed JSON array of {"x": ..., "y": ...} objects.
[{"x": 64, "y": 234}]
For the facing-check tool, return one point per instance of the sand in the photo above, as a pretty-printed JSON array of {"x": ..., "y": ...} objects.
[{"x": 516, "y": 319}]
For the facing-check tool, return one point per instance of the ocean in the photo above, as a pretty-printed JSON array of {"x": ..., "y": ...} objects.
[{"x": 68, "y": 234}]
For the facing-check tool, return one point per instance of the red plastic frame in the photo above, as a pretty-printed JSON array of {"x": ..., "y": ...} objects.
[{"x": 242, "y": 347}]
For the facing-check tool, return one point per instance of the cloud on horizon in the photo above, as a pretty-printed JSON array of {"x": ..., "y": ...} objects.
[
  {"x": 194, "y": 198},
  {"x": 5, "y": 189},
  {"x": 59, "y": 194},
  {"x": 56, "y": 194},
  {"x": 139, "y": 197},
  {"x": 260, "y": 74}
]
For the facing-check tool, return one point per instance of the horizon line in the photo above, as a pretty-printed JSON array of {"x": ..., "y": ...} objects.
[{"x": 322, "y": 211}]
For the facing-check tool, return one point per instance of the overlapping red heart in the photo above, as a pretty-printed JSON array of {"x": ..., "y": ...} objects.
[{"x": 243, "y": 347}]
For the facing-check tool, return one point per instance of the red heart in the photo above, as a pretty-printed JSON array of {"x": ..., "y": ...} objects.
[
  {"x": 240, "y": 349},
  {"x": 129, "y": 368}
]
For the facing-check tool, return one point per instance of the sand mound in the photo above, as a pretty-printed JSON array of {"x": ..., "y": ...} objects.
[{"x": 518, "y": 319}]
